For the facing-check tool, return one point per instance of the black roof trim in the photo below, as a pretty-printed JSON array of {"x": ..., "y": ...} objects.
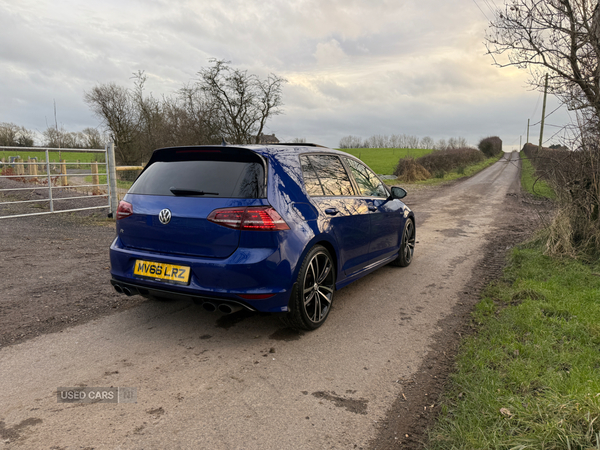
[{"x": 296, "y": 144}]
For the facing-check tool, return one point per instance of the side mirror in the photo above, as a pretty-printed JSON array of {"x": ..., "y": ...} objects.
[{"x": 398, "y": 193}]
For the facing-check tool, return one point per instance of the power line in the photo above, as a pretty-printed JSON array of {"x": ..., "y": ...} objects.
[
  {"x": 493, "y": 10},
  {"x": 481, "y": 11},
  {"x": 536, "y": 105},
  {"x": 548, "y": 115},
  {"x": 551, "y": 137}
]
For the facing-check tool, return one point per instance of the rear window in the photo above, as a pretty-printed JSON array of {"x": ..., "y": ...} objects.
[{"x": 228, "y": 179}]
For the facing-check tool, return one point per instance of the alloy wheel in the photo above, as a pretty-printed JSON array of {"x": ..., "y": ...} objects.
[
  {"x": 408, "y": 241},
  {"x": 318, "y": 286}
]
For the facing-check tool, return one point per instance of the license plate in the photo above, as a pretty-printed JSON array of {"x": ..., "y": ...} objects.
[{"x": 168, "y": 273}]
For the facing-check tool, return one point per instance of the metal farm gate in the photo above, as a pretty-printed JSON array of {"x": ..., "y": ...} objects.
[{"x": 36, "y": 184}]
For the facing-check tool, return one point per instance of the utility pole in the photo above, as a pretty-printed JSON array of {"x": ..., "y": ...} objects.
[
  {"x": 543, "y": 113},
  {"x": 527, "y": 131},
  {"x": 520, "y": 143}
]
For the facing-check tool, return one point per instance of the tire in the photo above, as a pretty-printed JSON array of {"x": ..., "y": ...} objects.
[
  {"x": 310, "y": 301},
  {"x": 407, "y": 245}
]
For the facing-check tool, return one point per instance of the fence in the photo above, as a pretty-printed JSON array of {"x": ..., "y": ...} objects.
[{"x": 26, "y": 186}]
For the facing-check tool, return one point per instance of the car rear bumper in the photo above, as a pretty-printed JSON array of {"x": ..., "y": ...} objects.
[
  {"x": 210, "y": 303},
  {"x": 247, "y": 272}
]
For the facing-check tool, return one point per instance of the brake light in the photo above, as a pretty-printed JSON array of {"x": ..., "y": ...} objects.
[
  {"x": 125, "y": 209},
  {"x": 257, "y": 218}
]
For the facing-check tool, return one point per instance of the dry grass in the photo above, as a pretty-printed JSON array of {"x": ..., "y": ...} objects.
[{"x": 409, "y": 170}]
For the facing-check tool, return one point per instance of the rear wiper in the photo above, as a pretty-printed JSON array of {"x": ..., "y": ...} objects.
[{"x": 177, "y": 191}]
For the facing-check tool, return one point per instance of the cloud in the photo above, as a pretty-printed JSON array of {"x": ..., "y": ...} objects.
[
  {"x": 329, "y": 53},
  {"x": 357, "y": 67}
]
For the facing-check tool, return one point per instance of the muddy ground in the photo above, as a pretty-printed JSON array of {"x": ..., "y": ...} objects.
[{"x": 55, "y": 274}]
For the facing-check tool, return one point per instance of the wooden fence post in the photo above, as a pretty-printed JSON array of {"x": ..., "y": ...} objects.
[
  {"x": 19, "y": 166},
  {"x": 63, "y": 171},
  {"x": 95, "y": 178},
  {"x": 32, "y": 168}
]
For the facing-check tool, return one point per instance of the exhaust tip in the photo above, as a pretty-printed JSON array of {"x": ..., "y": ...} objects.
[
  {"x": 127, "y": 292},
  {"x": 226, "y": 308},
  {"x": 118, "y": 288},
  {"x": 210, "y": 307}
]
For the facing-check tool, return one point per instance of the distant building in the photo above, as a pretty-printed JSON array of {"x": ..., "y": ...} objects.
[{"x": 267, "y": 139}]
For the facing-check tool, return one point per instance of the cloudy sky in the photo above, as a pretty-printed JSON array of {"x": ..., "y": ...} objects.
[{"x": 355, "y": 67}]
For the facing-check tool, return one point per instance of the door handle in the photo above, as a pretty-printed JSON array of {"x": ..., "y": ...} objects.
[
  {"x": 372, "y": 208},
  {"x": 331, "y": 211}
]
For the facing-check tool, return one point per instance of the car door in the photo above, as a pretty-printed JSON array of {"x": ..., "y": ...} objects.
[
  {"x": 386, "y": 216},
  {"x": 344, "y": 214}
]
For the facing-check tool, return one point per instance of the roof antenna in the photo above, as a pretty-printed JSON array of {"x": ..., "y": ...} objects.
[{"x": 224, "y": 143}]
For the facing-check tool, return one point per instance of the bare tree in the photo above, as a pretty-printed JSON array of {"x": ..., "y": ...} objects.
[
  {"x": 441, "y": 145},
  {"x": 558, "y": 37},
  {"x": 12, "y": 135},
  {"x": 92, "y": 138},
  {"x": 351, "y": 142},
  {"x": 116, "y": 107},
  {"x": 244, "y": 102},
  {"x": 55, "y": 137},
  {"x": 426, "y": 143},
  {"x": 459, "y": 142}
]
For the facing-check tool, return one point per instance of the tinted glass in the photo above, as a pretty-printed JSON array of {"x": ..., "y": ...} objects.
[
  {"x": 228, "y": 179},
  {"x": 368, "y": 183},
  {"x": 311, "y": 181},
  {"x": 326, "y": 175}
]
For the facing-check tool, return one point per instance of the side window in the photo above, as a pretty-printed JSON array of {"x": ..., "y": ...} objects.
[
  {"x": 325, "y": 175},
  {"x": 368, "y": 183},
  {"x": 311, "y": 181}
]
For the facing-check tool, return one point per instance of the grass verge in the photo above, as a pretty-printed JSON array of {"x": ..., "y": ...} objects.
[
  {"x": 530, "y": 181},
  {"x": 384, "y": 160},
  {"x": 530, "y": 377}
]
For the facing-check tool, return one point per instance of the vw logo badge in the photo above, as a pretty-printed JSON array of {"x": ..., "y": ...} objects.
[{"x": 164, "y": 216}]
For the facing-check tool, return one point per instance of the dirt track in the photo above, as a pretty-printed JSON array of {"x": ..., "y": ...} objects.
[{"x": 369, "y": 378}]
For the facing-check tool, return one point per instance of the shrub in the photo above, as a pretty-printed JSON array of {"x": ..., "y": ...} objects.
[
  {"x": 490, "y": 146},
  {"x": 574, "y": 176},
  {"x": 443, "y": 161},
  {"x": 409, "y": 170}
]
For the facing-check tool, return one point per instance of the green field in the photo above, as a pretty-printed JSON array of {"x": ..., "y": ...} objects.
[
  {"x": 54, "y": 156},
  {"x": 384, "y": 160}
]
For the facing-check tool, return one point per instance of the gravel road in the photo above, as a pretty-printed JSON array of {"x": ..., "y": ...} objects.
[{"x": 369, "y": 378}]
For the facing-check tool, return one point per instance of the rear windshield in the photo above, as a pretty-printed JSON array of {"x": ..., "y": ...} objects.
[{"x": 230, "y": 179}]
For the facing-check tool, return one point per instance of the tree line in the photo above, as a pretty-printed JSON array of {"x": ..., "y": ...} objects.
[
  {"x": 12, "y": 135},
  {"x": 402, "y": 141}
]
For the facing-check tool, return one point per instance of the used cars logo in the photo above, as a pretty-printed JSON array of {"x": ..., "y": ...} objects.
[{"x": 164, "y": 216}]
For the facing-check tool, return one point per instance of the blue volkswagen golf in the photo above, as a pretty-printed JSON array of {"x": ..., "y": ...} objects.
[{"x": 272, "y": 228}]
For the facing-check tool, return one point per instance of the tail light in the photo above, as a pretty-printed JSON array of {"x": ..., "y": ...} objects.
[
  {"x": 259, "y": 218},
  {"x": 125, "y": 209}
]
